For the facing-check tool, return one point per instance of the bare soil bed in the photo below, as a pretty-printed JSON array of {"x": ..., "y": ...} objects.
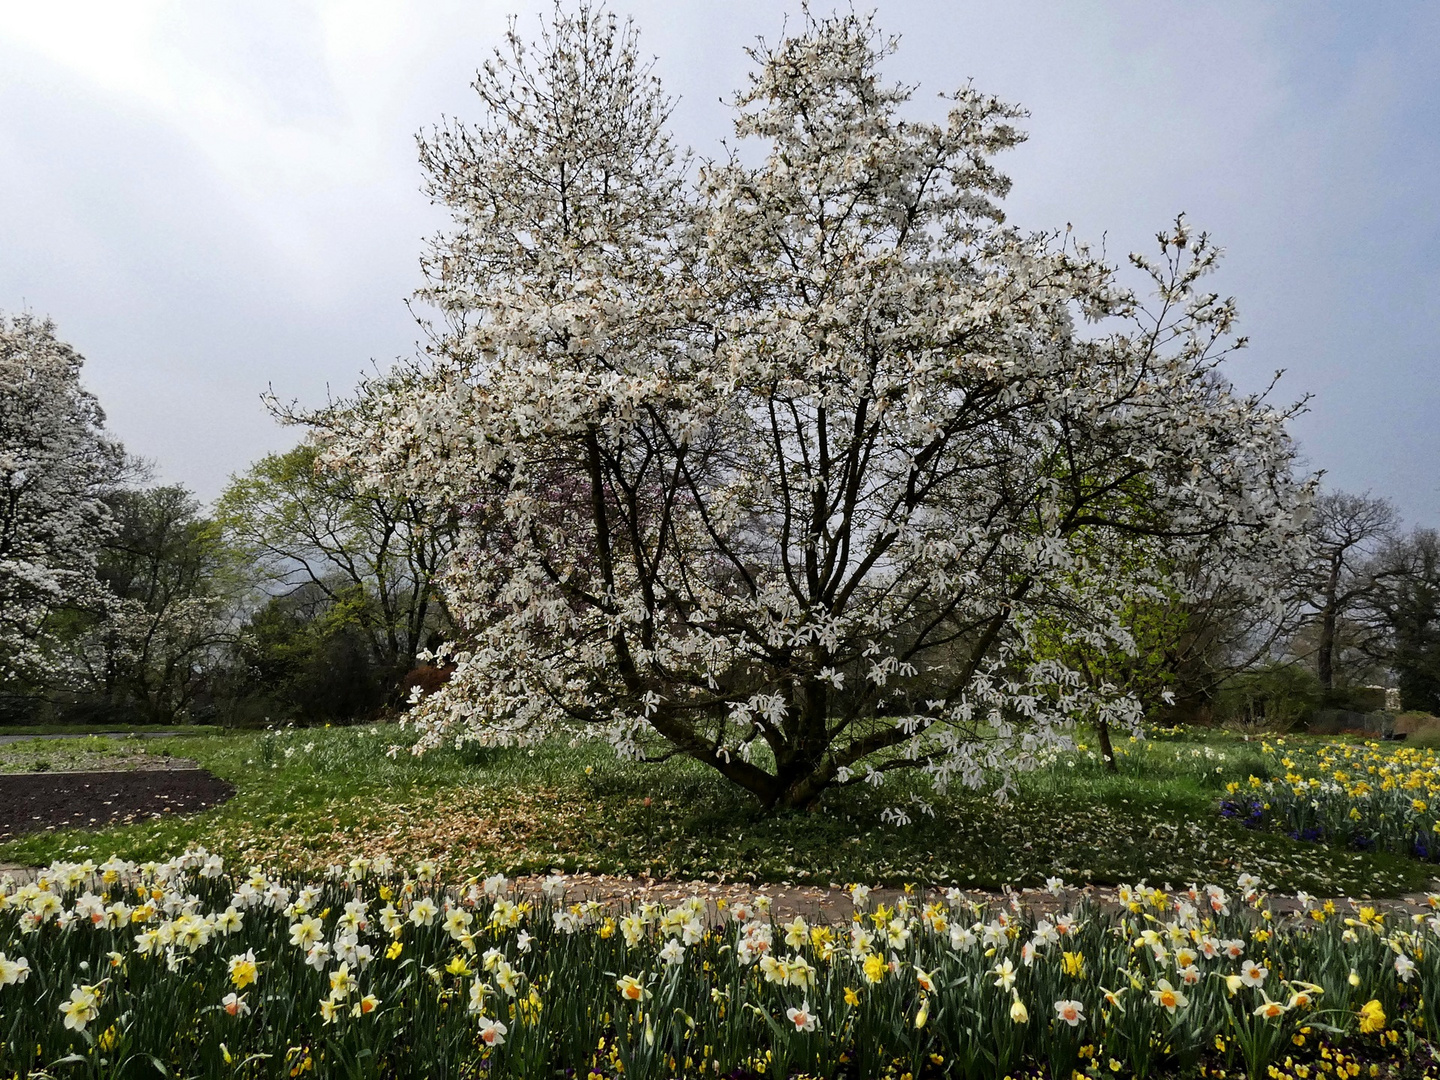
[{"x": 36, "y": 802}]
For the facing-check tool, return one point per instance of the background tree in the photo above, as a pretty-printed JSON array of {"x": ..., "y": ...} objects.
[
  {"x": 56, "y": 466},
  {"x": 1272, "y": 697},
  {"x": 361, "y": 565},
  {"x": 172, "y": 592},
  {"x": 784, "y": 471},
  {"x": 1407, "y": 603},
  {"x": 307, "y": 659},
  {"x": 1347, "y": 533},
  {"x": 1188, "y": 649}
]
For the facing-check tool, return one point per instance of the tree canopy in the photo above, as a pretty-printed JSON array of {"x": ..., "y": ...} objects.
[
  {"x": 373, "y": 556},
  {"x": 780, "y": 468},
  {"x": 56, "y": 465}
]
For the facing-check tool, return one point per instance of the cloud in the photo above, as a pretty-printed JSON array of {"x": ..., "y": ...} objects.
[{"x": 212, "y": 198}]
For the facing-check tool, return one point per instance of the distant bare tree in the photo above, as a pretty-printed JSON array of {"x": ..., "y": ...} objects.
[
  {"x": 1348, "y": 532},
  {"x": 1406, "y": 605}
]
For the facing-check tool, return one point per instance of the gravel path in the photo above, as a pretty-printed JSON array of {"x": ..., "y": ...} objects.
[{"x": 832, "y": 905}]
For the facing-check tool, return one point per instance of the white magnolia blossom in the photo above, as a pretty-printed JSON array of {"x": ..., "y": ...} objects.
[
  {"x": 55, "y": 464},
  {"x": 784, "y": 460}
]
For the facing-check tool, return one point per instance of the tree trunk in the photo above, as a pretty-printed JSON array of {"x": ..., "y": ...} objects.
[
  {"x": 801, "y": 776},
  {"x": 1325, "y": 651},
  {"x": 1107, "y": 752},
  {"x": 804, "y": 791}
]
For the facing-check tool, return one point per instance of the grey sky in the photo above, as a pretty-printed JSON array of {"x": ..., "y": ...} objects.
[{"x": 210, "y": 197}]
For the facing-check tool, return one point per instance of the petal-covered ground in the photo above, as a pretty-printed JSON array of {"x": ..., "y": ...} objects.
[{"x": 305, "y": 798}]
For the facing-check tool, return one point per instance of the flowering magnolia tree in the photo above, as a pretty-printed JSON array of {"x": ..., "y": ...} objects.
[
  {"x": 172, "y": 591},
  {"x": 779, "y": 461},
  {"x": 55, "y": 466}
]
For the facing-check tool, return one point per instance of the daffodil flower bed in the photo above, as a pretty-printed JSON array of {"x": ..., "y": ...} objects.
[
  {"x": 1366, "y": 796},
  {"x": 182, "y": 968}
]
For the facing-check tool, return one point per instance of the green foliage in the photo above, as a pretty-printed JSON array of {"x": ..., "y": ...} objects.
[
  {"x": 347, "y": 584},
  {"x": 163, "y": 549},
  {"x": 1183, "y": 641},
  {"x": 311, "y": 658},
  {"x": 1276, "y": 697},
  {"x": 1158, "y": 630}
]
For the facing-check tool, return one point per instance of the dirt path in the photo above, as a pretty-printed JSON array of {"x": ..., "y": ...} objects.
[
  {"x": 819, "y": 904},
  {"x": 833, "y": 904}
]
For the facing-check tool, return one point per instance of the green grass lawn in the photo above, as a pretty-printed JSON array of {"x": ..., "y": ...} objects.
[
  {"x": 309, "y": 797},
  {"x": 79, "y": 730}
]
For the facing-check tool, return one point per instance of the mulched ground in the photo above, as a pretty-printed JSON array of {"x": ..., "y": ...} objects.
[{"x": 38, "y": 802}]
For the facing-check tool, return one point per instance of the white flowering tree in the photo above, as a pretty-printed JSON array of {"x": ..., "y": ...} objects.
[
  {"x": 778, "y": 461},
  {"x": 55, "y": 465},
  {"x": 152, "y": 644}
]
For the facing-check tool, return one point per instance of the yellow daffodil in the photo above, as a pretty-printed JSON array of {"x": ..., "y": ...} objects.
[
  {"x": 1372, "y": 1017},
  {"x": 875, "y": 968},
  {"x": 243, "y": 969}
]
